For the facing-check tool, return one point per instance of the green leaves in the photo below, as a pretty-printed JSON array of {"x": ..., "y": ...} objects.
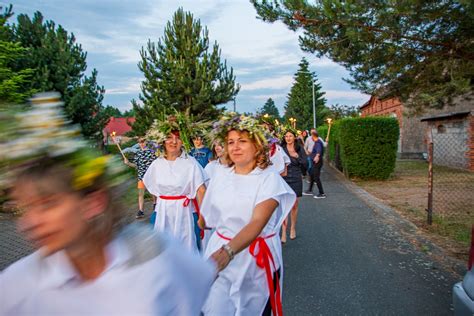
[
  {"x": 422, "y": 51},
  {"x": 183, "y": 72}
]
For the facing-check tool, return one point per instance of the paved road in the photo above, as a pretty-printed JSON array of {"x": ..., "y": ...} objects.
[{"x": 346, "y": 260}]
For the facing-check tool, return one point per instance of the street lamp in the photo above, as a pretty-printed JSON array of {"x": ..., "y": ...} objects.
[{"x": 314, "y": 106}]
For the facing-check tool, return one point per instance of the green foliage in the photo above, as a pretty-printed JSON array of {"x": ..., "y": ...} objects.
[
  {"x": 368, "y": 146},
  {"x": 339, "y": 111},
  {"x": 334, "y": 145},
  {"x": 14, "y": 83},
  {"x": 111, "y": 111},
  {"x": 269, "y": 108},
  {"x": 182, "y": 72},
  {"x": 59, "y": 64},
  {"x": 422, "y": 51},
  {"x": 300, "y": 98},
  {"x": 85, "y": 107},
  {"x": 322, "y": 131}
]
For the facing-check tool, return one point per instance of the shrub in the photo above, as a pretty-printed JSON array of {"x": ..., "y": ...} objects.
[
  {"x": 368, "y": 146},
  {"x": 323, "y": 131}
]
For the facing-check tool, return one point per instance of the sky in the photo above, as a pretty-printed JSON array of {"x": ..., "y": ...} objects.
[{"x": 264, "y": 56}]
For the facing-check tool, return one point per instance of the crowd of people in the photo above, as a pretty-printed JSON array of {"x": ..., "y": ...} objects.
[{"x": 219, "y": 218}]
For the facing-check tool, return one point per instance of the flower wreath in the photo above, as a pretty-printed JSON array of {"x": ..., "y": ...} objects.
[
  {"x": 44, "y": 132},
  {"x": 179, "y": 122},
  {"x": 233, "y": 121}
]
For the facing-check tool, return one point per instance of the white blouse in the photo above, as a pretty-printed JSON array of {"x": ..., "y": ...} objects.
[{"x": 148, "y": 274}]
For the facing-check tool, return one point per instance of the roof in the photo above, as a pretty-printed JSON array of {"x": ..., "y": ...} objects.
[
  {"x": 119, "y": 125},
  {"x": 445, "y": 115}
]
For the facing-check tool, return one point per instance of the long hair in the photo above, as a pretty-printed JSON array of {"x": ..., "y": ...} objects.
[{"x": 298, "y": 142}]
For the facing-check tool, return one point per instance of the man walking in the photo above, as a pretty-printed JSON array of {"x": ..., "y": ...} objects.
[{"x": 316, "y": 156}]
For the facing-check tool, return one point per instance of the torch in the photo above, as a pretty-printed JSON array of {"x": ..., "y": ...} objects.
[
  {"x": 329, "y": 120},
  {"x": 118, "y": 145}
]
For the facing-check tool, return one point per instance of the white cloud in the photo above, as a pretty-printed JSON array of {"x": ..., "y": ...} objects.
[
  {"x": 132, "y": 85},
  {"x": 282, "y": 82},
  {"x": 344, "y": 94}
]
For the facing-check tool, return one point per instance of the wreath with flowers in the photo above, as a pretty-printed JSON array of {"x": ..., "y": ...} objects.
[
  {"x": 233, "y": 121},
  {"x": 182, "y": 123},
  {"x": 44, "y": 132}
]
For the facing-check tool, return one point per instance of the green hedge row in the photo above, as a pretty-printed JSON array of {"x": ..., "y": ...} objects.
[{"x": 364, "y": 147}]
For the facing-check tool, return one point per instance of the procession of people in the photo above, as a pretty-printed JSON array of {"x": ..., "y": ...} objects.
[{"x": 219, "y": 218}]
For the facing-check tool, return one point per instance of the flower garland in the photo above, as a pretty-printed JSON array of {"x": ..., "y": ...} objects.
[
  {"x": 181, "y": 122},
  {"x": 44, "y": 132},
  {"x": 233, "y": 121}
]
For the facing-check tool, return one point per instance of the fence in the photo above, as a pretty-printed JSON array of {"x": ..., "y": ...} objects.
[{"x": 450, "y": 184}]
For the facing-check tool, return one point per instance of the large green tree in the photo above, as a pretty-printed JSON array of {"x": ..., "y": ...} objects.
[
  {"x": 59, "y": 64},
  {"x": 300, "y": 99},
  {"x": 420, "y": 51},
  {"x": 269, "y": 108},
  {"x": 14, "y": 83},
  {"x": 182, "y": 71}
]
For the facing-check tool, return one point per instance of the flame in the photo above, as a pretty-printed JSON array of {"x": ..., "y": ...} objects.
[{"x": 113, "y": 134}]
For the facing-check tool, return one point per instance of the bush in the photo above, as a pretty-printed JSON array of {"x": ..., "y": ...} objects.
[
  {"x": 323, "y": 131},
  {"x": 368, "y": 146},
  {"x": 333, "y": 145}
]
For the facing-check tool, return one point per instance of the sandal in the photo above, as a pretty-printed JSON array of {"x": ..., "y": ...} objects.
[{"x": 293, "y": 234}]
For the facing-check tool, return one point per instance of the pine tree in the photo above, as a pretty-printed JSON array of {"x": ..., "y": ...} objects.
[
  {"x": 270, "y": 108},
  {"x": 182, "y": 72},
  {"x": 14, "y": 83},
  {"x": 59, "y": 64},
  {"x": 300, "y": 99}
]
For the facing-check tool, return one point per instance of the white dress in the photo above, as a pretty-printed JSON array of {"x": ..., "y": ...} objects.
[
  {"x": 148, "y": 274},
  {"x": 279, "y": 160},
  {"x": 241, "y": 288},
  {"x": 175, "y": 184}
]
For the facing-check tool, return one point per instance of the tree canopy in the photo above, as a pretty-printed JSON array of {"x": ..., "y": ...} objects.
[
  {"x": 300, "y": 99},
  {"x": 182, "y": 71},
  {"x": 15, "y": 84},
  {"x": 270, "y": 108},
  {"x": 420, "y": 51},
  {"x": 57, "y": 62}
]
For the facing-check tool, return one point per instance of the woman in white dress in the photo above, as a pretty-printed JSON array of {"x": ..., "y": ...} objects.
[
  {"x": 247, "y": 206},
  {"x": 218, "y": 161},
  {"x": 88, "y": 262},
  {"x": 178, "y": 181}
]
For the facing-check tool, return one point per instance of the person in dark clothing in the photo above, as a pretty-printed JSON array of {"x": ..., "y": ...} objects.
[
  {"x": 294, "y": 177},
  {"x": 317, "y": 158}
]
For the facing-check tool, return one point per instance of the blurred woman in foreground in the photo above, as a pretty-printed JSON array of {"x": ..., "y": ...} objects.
[{"x": 89, "y": 262}]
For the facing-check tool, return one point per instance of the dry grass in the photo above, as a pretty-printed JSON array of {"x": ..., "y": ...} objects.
[{"x": 407, "y": 192}]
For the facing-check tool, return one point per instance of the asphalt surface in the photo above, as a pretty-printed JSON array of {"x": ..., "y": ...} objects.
[{"x": 348, "y": 260}]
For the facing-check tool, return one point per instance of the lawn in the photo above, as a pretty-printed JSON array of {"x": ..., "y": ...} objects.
[{"x": 453, "y": 201}]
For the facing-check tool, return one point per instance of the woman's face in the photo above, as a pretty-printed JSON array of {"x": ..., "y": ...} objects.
[
  {"x": 51, "y": 221},
  {"x": 219, "y": 149},
  {"x": 289, "y": 138},
  {"x": 241, "y": 148},
  {"x": 173, "y": 145}
]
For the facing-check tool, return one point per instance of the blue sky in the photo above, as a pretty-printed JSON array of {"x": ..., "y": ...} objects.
[{"x": 264, "y": 56}]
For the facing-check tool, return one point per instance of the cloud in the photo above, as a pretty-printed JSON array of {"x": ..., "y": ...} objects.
[
  {"x": 283, "y": 82},
  {"x": 131, "y": 86},
  {"x": 344, "y": 94}
]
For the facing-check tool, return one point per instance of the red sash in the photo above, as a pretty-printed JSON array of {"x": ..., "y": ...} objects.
[
  {"x": 263, "y": 257},
  {"x": 185, "y": 204}
]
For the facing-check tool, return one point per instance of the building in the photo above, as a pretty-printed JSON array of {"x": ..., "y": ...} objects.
[
  {"x": 455, "y": 120},
  {"x": 119, "y": 125},
  {"x": 452, "y": 135}
]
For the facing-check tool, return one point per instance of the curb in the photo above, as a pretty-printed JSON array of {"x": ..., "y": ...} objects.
[{"x": 406, "y": 227}]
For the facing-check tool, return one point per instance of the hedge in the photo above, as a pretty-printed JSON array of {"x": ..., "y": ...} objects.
[{"x": 368, "y": 146}]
